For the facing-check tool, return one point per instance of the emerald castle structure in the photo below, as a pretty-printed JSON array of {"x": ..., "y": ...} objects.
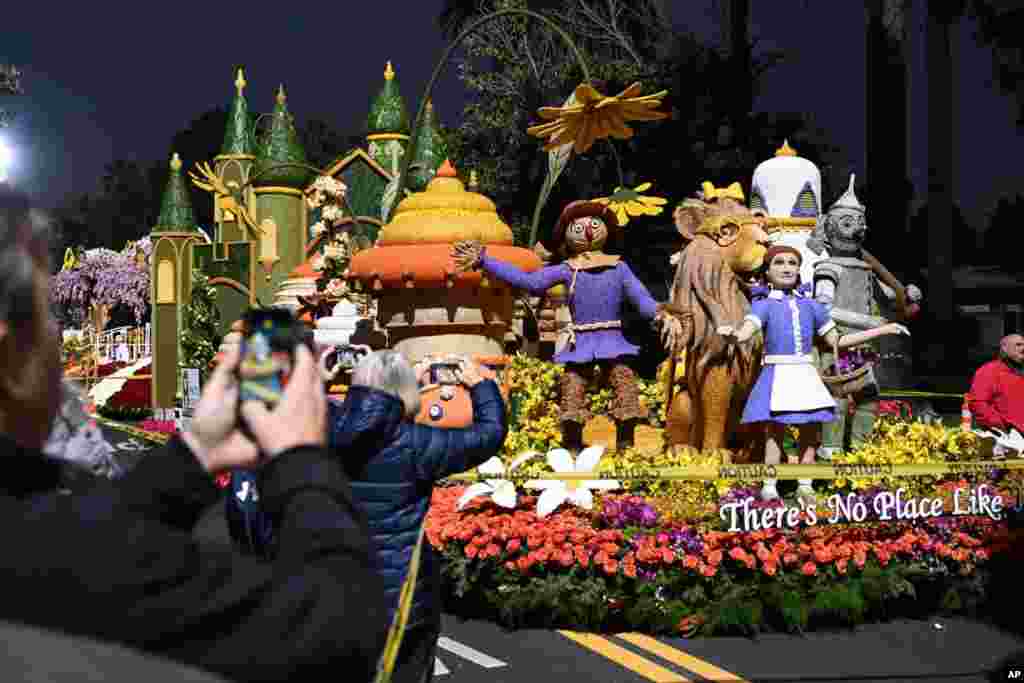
[{"x": 261, "y": 230}]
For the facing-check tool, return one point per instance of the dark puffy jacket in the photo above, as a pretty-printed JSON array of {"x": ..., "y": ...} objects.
[{"x": 393, "y": 464}]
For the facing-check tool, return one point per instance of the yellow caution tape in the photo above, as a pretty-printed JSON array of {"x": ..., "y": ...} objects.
[
  {"x": 134, "y": 431},
  {"x": 899, "y": 393},
  {"x": 760, "y": 471}
]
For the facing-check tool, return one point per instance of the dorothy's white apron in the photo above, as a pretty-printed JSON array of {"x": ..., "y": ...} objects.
[{"x": 797, "y": 384}]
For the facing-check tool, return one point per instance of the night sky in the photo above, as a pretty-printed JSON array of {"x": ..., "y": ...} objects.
[{"x": 105, "y": 84}]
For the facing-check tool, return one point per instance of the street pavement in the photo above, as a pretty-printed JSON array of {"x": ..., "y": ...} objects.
[{"x": 472, "y": 651}]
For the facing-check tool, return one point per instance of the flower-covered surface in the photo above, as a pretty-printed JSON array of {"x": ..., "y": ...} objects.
[
  {"x": 658, "y": 557},
  {"x": 106, "y": 277},
  {"x": 623, "y": 566},
  {"x": 119, "y": 390}
]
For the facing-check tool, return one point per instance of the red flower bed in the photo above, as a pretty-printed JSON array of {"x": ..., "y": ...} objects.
[{"x": 681, "y": 573}]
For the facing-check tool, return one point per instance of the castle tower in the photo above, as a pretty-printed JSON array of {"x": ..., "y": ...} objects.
[
  {"x": 428, "y": 150},
  {"x": 171, "y": 283},
  {"x": 234, "y": 165},
  {"x": 280, "y": 207},
  {"x": 387, "y": 125}
]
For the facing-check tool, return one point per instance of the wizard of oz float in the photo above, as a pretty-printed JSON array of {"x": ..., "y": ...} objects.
[{"x": 668, "y": 532}]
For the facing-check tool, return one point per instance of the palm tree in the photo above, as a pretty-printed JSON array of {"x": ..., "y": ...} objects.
[{"x": 941, "y": 15}]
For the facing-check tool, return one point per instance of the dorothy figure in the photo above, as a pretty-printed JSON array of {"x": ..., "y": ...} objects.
[{"x": 789, "y": 390}]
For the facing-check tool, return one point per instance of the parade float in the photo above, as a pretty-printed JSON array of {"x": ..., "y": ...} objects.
[{"x": 910, "y": 522}]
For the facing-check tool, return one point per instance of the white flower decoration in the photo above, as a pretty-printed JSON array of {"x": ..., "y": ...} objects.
[
  {"x": 501, "y": 491},
  {"x": 332, "y": 213},
  {"x": 318, "y": 229},
  {"x": 317, "y": 262},
  {"x": 1005, "y": 442},
  {"x": 576, "y": 492}
]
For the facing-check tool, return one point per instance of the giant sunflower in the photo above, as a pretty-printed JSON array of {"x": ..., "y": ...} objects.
[{"x": 595, "y": 116}]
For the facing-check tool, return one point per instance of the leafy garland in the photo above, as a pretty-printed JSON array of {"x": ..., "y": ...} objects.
[{"x": 200, "y": 337}]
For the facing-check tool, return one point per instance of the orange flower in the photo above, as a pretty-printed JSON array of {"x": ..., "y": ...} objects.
[
  {"x": 715, "y": 558},
  {"x": 691, "y": 562},
  {"x": 859, "y": 558},
  {"x": 610, "y": 548},
  {"x": 611, "y": 566},
  {"x": 750, "y": 561},
  {"x": 513, "y": 546},
  {"x": 769, "y": 568},
  {"x": 601, "y": 557},
  {"x": 822, "y": 555},
  {"x": 510, "y": 566},
  {"x": 809, "y": 569},
  {"x": 524, "y": 563},
  {"x": 709, "y": 570},
  {"x": 471, "y": 551},
  {"x": 841, "y": 565},
  {"x": 493, "y": 550},
  {"x": 737, "y": 553},
  {"x": 565, "y": 558},
  {"x": 629, "y": 569},
  {"x": 667, "y": 556},
  {"x": 790, "y": 558}
]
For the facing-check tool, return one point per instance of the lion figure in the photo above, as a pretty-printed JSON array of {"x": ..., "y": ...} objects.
[{"x": 726, "y": 246}]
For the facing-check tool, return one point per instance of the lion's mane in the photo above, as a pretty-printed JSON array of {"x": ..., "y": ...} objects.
[{"x": 706, "y": 287}]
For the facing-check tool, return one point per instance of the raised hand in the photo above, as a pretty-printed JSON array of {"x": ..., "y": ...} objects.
[{"x": 467, "y": 254}]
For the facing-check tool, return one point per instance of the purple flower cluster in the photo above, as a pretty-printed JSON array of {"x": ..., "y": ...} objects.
[
  {"x": 106, "y": 277},
  {"x": 631, "y": 511},
  {"x": 852, "y": 359}
]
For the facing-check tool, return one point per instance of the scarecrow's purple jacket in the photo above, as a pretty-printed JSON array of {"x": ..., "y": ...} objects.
[{"x": 599, "y": 296}]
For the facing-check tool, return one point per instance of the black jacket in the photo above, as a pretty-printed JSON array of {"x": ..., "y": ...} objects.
[
  {"x": 117, "y": 562},
  {"x": 393, "y": 464}
]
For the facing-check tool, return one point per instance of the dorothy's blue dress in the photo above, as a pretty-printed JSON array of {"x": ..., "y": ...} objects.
[{"x": 789, "y": 389}]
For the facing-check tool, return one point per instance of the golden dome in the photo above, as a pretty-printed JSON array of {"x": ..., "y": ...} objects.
[{"x": 445, "y": 212}]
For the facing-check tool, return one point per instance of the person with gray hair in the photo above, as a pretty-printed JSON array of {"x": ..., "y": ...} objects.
[
  {"x": 394, "y": 462},
  {"x": 118, "y": 562}
]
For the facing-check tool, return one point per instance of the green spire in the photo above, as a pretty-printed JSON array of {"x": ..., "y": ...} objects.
[
  {"x": 428, "y": 150},
  {"x": 238, "y": 138},
  {"x": 176, "y": 207},
  {"x": 387, "y": 111},
  {"x": 280, "y": 145}
]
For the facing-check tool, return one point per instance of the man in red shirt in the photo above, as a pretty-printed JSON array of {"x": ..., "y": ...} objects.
[{"x": 997, "y": 392}]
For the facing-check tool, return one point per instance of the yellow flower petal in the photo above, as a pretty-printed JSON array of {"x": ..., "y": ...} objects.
[
  {"x": 653, "y": 201},
  {"x": 642, "y": 187}
]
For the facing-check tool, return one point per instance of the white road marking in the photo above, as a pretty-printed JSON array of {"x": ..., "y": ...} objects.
[
  {"x": 469, "y": 653},
  {"x": 439, "y": 668}
]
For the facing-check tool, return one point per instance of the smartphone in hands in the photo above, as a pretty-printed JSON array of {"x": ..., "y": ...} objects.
[{"x": 268, "y": 353}]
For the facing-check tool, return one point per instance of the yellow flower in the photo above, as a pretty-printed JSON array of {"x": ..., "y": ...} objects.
[
  {"x": 626, "y": 202},
  {"x": 595, "y": 117}
]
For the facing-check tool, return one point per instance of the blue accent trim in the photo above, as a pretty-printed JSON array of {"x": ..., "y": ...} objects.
[{"x": 801, "y": 211}]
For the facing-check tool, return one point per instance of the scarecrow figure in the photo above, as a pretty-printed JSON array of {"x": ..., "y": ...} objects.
[{"x": 599, "y": 286}]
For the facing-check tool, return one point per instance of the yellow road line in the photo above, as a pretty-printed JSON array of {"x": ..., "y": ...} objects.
[
  {"x": 625, "y": 658},
  {"x": 703, "y": 669}
]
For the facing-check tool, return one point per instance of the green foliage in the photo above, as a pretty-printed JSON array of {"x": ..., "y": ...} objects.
[
  {"x": 199, "y": 336},
  {"x": 512, "y": 66}
]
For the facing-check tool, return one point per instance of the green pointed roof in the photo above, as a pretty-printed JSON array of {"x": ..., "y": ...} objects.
[
  {"x": 387, "y": 111},
  {"x": 428, "y": 150},
  {"x": 280, "y": 145},
  {"x": 238, "y": 138},
  {"x": 176, "y": 208}
]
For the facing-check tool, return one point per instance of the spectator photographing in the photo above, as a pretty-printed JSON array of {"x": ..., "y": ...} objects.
[
  {"x": 118, "y": 563},
  {"x": 997, "y": 391},
  {"x": 393, "y": 463}
]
